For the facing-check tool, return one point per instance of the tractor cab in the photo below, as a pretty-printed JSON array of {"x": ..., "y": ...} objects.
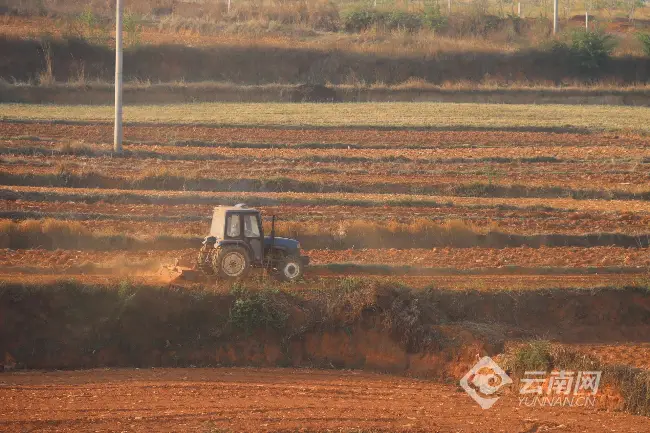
[
  {"x": 235, "y": 224},
  {"x": 236, "y": 243}
]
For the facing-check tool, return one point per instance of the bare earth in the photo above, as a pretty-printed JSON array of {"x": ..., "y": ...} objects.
[
  {"x": 398, "y": 167},
  {"x": 271, "y": 400}
]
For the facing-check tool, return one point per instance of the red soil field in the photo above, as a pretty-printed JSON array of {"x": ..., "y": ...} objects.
[
  {"x": 394, "y": 177},
  {"x": 103, "y": 133},
  {"x": 434, "y": 152},
  {"x": 53, "y": 194},
  {"x": 239, "y": 399},
  {"x": 249, "y": 399},
  {"x": 469, "y": 258},
  {"x": 457, "y": 258},
  {"x": 194, "y": 219}
]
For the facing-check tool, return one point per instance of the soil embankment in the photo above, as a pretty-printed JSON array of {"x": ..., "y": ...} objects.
[{"x": 360, "y": 324}]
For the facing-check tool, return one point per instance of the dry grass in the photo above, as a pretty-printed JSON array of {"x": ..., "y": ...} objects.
[
  {"x": 78, "y": 91},
  {"x": 308, "y": 24},
  {"x": 421, "y": 233},
  {"x": 357, "y": 59},
  {"x": 65, "y": 234},
  {"x": 257, "y": 199},
  {"x": 391, "y": 234},
  {"x": 54, "y": 234},
  {"x": 46, "y": 233},
  {"x": 204, "y": 31},
  {"x": 412, "y": 84},
  {"x": 378, "y": 115}
]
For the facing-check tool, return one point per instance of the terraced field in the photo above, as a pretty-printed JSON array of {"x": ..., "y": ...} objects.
[
  {"x": 519, "y": 227},
  {"x": 506, "y": 194}
]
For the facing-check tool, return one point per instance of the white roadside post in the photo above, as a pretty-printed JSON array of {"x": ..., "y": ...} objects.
[
  {"x": 555, "y": 12},
  {"x": 117, "y": 139}
]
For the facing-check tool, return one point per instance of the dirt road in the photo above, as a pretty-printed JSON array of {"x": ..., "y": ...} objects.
[{"x": 238, "y": 399}]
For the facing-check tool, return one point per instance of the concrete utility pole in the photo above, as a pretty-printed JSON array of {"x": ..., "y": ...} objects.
[
  {"x": 117, "y": 139},
  {"x": 449, "y": 7},
  {"x": 555, "y": 12},
  {"x": 519, "y": 9},
  {"x": 586, "y": 16}
]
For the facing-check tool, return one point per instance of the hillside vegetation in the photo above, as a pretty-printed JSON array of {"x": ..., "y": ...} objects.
[{"x": 323, "y": 42}]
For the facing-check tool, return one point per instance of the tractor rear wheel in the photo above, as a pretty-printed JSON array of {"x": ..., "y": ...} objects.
[
  {"x": 290, "y": 269},
  {"x": 231, "y": 263}
]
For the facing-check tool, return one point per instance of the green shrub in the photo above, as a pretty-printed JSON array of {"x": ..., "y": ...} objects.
[
  {"x": 591, "y": 49},
  {"x": 533, "y": 356},
  {"x": 132, "y": 27},
  {"x": 644, "y": 38},
  {"x": 474, "y": 24},
  {"x": 558, "y": 48},
  {"x": 588, "y": 52},
  {"x": 88, "y": 18},
  {"x": 433, "y": 18},
  {"x": 94, "y": 30},
  {"x": 357, "y": 20},
  {"x": 402, "y": 20},
  {"x": 254, "y": 310}
]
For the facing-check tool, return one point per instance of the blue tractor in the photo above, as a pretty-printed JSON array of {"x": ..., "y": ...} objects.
[{"x": 237, "y": 243}]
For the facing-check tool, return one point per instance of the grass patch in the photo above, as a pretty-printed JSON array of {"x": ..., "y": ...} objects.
[
  {"x": 258, "y": 309},
  {"x": 634, "y": 385},
  {"x": 53, "y": 234},
  {"x": 44, "y": 234},
  {"x": 355, "y": 115},
  {"x": 532, "y": 356}
]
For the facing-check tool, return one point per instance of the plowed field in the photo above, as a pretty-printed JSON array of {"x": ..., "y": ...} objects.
[
  {"x": 408, "y": 202},
  {"x": 270, "y": 400},
  {"x": 533, "y": 184}
]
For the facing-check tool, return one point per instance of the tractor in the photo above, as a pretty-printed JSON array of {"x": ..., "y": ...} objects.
[{"x": 236, "y": 244}]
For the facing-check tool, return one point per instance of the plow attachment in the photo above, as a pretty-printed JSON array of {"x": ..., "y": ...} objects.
[{"x": 181, "y": 271}]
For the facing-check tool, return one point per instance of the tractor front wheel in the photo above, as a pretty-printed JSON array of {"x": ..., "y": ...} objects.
[
  {"x": 231, "y": 263},
  {"x": 290, "y": 269}
]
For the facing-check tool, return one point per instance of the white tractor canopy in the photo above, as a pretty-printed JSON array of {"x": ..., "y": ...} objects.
[{"x": 220, "y": 215}]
